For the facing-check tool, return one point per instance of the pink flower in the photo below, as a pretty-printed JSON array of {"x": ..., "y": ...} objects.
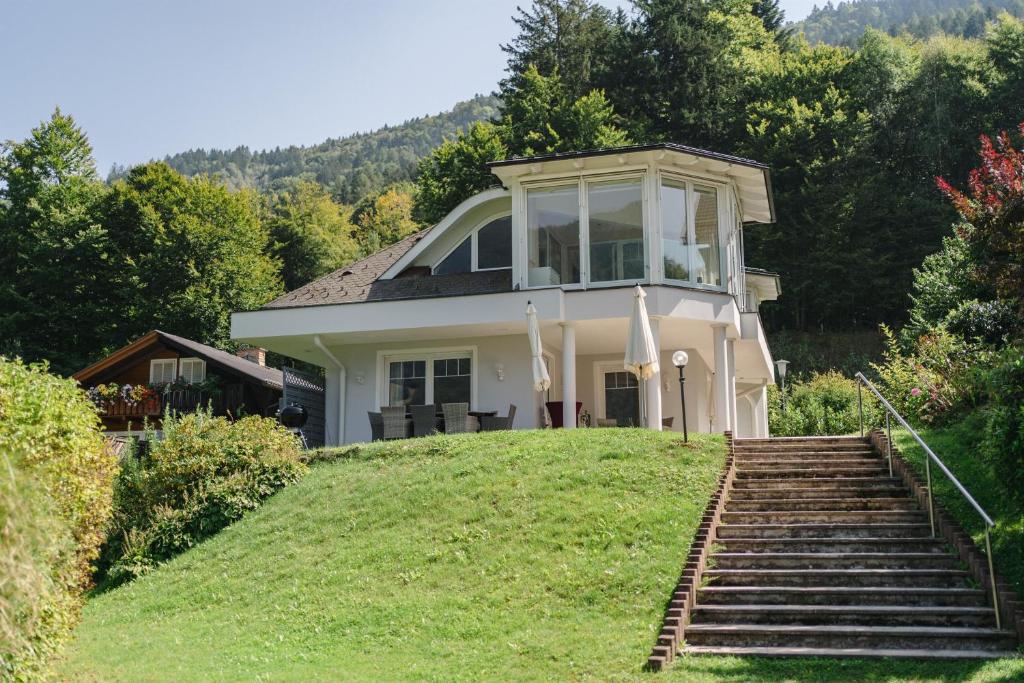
[{"x": 915, "y": 392}]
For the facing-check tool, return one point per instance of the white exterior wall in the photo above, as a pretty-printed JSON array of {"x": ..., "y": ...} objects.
[{"x": 363, "y": 380}]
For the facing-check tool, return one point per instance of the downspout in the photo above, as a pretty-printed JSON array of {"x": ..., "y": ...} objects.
[{"x": 341, "y": 386}]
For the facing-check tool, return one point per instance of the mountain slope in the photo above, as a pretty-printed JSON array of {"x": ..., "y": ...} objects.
[
  {"x": 350, "y": 167},
  {"x": 844, "y": 23}
]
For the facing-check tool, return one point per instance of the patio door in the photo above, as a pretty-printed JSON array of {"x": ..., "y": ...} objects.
[{"x": 622, "y": 398}]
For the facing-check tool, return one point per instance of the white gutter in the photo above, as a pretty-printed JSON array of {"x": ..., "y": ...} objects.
[{"x": 341, "y": 386}]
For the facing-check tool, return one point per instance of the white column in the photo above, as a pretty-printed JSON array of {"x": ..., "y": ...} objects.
[
  {"x": 654, "y": 383},
  {"x": 731, "y": 383},
  {"x": 569, "y": 375},
  {"x": 721, "y": 351},
  {"x": 762, "y": 411}
]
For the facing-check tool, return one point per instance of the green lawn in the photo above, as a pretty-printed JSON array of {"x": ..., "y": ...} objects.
[
  {"x": 955, "y": 445},
  {"x": 528, "y": 556}
]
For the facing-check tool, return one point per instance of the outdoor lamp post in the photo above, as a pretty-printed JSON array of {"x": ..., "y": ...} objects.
[
  {"x": 782, "y": 365},
  {"x": 679, "y": 359}
]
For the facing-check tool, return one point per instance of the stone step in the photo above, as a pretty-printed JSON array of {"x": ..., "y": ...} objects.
[
  {"x": 728, "y": 560},
  {"x": 833, "y": 545},
  {"x": 810, "y": 473},
  {"x": 826, "y": 516},
  {"x": 845, "y": 652},
  {"x": 850, "y": 615},
  {"x": 809, "y": 464},
  {"x": 841, "y": 595},
  {"x": 816, "y": 483},
  {"x": 808, "y": 493},
  {"x": 823, "y": 459},
  {"x": 878, "y": 578},
  {"x": 800, "y": 440},
  {"x": 795, "y": 504},
  {"x": 823, "y": 530},
  {"x": 889, "y": 637},
  {"x": 827, "y": 451}
]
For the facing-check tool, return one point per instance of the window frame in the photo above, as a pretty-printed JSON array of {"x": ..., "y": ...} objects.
[
  {"x": 387, "y": 356},
  {"x": 191, "y": 361},
  {"x": 583, "y": 182},
  {"x": 474, "y": 236},
  {"x": 163, "y": 362},
  {"x": 601, "y": 368},
  {"x": 723, "y": 195}
]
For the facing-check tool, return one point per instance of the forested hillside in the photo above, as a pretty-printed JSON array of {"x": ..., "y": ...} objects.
[
  {"x": 844, "y": 23},
  {"x": 350, "y": 167}
]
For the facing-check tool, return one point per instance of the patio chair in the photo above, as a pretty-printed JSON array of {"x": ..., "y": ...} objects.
[
  {"x": 607, "y": 422},
  {"x": 376, "y": 426},
  {"x": 489, "y": 423},
  {"x": 424, "y": 420},
  {"x": 456, "y": 418},
  {"x": 666, "y": 422},
  {"x": 396, "y": 424}
]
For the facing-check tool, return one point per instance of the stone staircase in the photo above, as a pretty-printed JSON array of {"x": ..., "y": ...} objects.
[{"x": 820, "y": 552}]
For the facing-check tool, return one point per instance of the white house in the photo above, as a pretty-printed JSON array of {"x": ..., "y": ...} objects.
[{"x": 440, "y": 316}]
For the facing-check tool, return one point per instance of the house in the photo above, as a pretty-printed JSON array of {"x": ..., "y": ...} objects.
[
  {"x": 161, "y": 371},
  {"x": 440, "y": 316}
]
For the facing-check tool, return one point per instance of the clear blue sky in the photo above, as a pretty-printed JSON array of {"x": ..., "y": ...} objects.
[{"x": 147, "y": 78}]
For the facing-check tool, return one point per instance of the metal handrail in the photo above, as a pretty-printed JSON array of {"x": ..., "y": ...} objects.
[{"x": 989, "y": 524}]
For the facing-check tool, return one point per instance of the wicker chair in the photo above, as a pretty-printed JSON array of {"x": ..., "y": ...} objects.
[
  {"x": 376, "y": 426},
  {"x": 494, "y": 423},
  {"x": 456, "y": 418},
  {"x": 396, "y": 424},
  {"x": 424, "y": 420},
  {"x": 607, "y": 422},
  {"x": 666, "y": 422}
]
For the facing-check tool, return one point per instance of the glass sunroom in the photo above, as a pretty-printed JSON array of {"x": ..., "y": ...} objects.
[{"x": 613, "y": 227}]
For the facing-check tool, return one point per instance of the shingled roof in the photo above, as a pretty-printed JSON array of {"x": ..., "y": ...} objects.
[
  {"x": 361, "y": 282},
  {"x": 269, "y": 377}
]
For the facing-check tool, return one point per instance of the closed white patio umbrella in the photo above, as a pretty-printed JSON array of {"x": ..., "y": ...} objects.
[
  {"x": 641, "y": 353},
  {"x": 541, "y": 379}
]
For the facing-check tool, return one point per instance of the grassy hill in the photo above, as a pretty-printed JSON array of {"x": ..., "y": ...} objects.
[{"x": 544, "y": 555}]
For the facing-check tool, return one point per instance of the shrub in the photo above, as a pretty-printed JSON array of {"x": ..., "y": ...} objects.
[
  {"x": 1003, "y": 440},
  {"x": 825, "y": 405},
  {"x": 935, "y": 379},
  {"x": 205, "y": 473},
  {"x": 56, "y": 477}
]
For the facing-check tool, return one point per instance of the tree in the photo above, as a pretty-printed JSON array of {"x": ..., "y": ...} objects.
[
  {"x": 994, "y": 212},
  {"x": 310, "y": 233},
  {"x": 189, "y": 252},
  {"x": 569, "y": 37},
  {"x": 387, "y": 218},
  {"x": 673, "y": 79},
  {"x": 54, "y": 261},
  {"x": 456, "y": 170}
]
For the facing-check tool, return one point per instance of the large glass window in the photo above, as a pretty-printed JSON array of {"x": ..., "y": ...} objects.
[
  {"x": 553, "y": 235},
  {"x": 451, "y": 380},
  {"x": 622, "y": 398},
  {"x": 407, "y": 383},
  {"x": 494, "y": 245},
  {"x": 690, "y": 233},
  {"x": 675, "y": 237},
  {"x": 615, "y": 216},
  {"x": 708, "y": 269}
]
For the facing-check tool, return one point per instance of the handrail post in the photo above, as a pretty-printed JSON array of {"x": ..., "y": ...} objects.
[
  {"x": 931, "y": 506},
  {"x": 992, "y": 577},
  {"x": 888, "y": 441},
  {"x": 860, "y": 406}
]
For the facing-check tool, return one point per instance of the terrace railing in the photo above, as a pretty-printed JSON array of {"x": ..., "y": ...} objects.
[{"x": 930, "y": 457}]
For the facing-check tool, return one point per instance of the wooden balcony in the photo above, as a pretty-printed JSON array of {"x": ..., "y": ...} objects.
[{"x": 229, "y": 400}]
